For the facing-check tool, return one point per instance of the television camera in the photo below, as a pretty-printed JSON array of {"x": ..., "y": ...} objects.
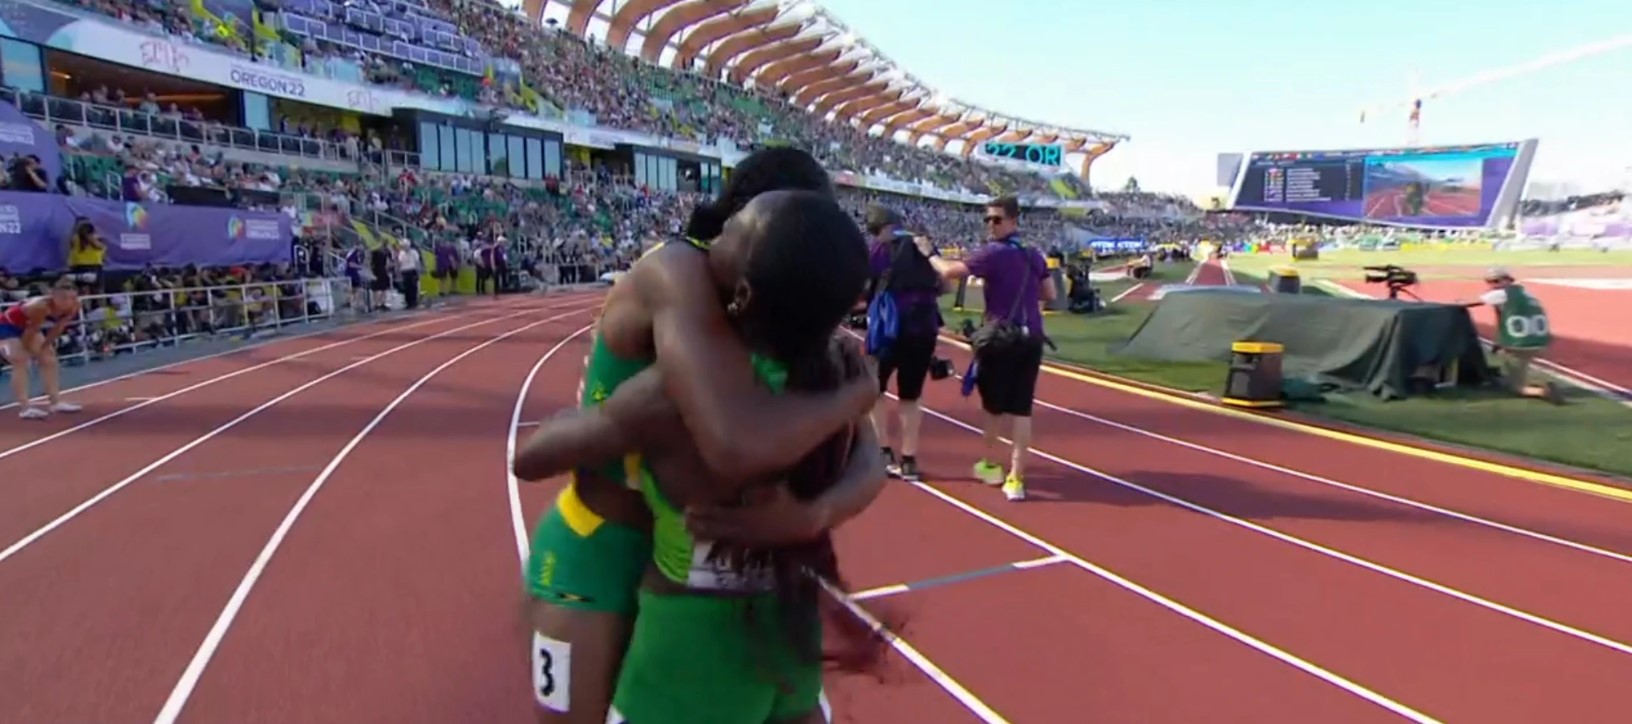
[{"x": 1398, "y": 279}]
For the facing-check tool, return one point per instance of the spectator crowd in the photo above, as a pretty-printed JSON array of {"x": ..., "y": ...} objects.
[{"x": 131, "y": 144}]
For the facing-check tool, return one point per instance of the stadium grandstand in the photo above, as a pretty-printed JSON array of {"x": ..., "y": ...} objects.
[
  {"x": 431, "y": 121},
  {"x": 799, "y": 52}
]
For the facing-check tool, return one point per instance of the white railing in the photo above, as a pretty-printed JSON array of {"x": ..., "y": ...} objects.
[{"x": 110, "y": 324}]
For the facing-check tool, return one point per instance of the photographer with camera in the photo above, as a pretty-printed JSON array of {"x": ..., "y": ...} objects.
[
  {"x": 903, "y": 322},
  {"x": 1009, "y": 346},
  {"x": 87, "y": 252},
  {"x": 1522, "y": 334}
]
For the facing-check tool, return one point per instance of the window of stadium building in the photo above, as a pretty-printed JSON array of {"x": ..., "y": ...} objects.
[
  {"x": 444, "y": 147},
  {"x": 671, "y": 174}
]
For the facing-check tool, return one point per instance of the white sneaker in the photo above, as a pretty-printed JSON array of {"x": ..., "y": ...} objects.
[
  {"x": 33, "y": 413},
  {"x": 67, "y": 407}
]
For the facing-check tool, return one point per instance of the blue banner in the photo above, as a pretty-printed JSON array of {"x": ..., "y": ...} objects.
[{"x": 34, "y": 231}]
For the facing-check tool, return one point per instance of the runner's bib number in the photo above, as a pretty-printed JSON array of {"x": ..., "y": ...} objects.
[
  {"x": 709, "y": 574},
  {"x": 1520, "y": 327},
  {"x": 552, "y": 673}
]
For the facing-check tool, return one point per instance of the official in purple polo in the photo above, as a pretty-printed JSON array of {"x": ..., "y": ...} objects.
[
  {"x": 1016, "y": 284},
  {"x": 901, "y": 269}
]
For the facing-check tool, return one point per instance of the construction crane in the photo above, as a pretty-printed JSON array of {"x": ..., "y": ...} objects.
[{"x": 1412, "y": 104}]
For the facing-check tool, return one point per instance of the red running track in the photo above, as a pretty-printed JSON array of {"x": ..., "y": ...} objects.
[{"x": 349, "y": 553}]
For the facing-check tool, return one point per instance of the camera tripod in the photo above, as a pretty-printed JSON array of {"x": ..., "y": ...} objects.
[{"x": 1395, "y": 290}]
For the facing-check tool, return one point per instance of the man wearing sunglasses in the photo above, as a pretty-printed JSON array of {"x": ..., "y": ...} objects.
[{"x": 1015, "y": 286}]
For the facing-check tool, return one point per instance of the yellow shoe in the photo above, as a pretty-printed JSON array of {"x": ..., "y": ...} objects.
[
  {"x": 989, "y": 473},
  {"x": 1014, "y": 489}
]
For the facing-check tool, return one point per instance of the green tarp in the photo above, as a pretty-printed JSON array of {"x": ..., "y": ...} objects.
[{"x": 1375, "y": 345}]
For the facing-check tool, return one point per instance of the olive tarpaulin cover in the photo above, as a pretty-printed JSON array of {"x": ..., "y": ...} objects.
[{"x": 1375, "y": 345}]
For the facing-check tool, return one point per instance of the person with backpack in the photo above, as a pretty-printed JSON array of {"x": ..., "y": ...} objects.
[
  {"x": 1009, "y": 345},
  {"x": 903, "y": 323}
]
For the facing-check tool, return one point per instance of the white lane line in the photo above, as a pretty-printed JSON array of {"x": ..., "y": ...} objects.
[
  {"x": 214, "y": 355},
  {"x": 529, "y": 423},
  {"x": 218, "y": 632},
  {"x": 267, "y": 343},
  {"x": 518, "y": 520},
  {"x": 1195, "y": 272},
  {"x": 1126, "y": 292},
  {"x": 61, "y": 520},
  {"x": 142, "y": 402},
  {"x": 935, "y": 673},
  {"x": 1320, "y": 480},
  {"x": 1172, "y": 605},
  {"x": 1229, "y": 276},
  {"x": 894, "y": 589},
  {"x": 1333, "y": 553}
]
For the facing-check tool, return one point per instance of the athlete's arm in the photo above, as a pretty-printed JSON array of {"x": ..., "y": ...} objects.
[
  {"x": 33, "y": 338},
  {"x": 740, "y": 428},
  {"x": 783, "y": 519},
  {"x": 581, "y": 437}
]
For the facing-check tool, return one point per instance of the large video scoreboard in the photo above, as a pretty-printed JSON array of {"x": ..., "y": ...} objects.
[{"x": 1431, "y": 187}]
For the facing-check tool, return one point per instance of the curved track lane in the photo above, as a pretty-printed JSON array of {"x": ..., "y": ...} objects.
[{"x": 350, "y": 553}]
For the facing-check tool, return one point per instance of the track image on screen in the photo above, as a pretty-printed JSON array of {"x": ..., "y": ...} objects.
[{"x": 1456, "y": 186}]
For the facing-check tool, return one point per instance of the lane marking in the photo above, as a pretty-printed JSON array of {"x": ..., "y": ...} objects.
[
  {"x": 518, "y": 521},
  {"x": 1361, "y": 490},
  {"x": 529, "y": 423},
  {"x": 1172, "y": 605},
  {"x": 1448, "y": 458},
  {"x": 910, "y": 653},
  {"x": 212, "y": 641},
  {"x": 1126, "y": 292},
  {"x": 340, "y": 325},
  {"x": 927, "y": 583},
  {"x": 146, "y": 401},
  {"x": 1313, "y": 547},
  {"x": 74, "y": 512},
  {"x": 217, "y": 475}
]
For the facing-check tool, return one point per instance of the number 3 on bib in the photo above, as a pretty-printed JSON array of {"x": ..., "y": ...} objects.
[{"x": 552, "y": 673}]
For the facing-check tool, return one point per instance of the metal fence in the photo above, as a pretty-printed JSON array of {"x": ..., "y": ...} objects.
[{"x": 111, "y": 324}]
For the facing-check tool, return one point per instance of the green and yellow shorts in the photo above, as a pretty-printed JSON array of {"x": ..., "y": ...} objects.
[
  {"x": 715, "y": 660},
  {"x": 584, "y": 561}
]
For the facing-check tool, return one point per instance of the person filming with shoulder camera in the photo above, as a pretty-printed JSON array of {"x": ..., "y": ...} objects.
[
  {"x": 1009, "y": 344},
  {"x": 904, "y": 321}
]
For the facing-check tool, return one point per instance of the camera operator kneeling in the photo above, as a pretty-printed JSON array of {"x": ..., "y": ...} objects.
[
  {"x": 1522, "y": 334},
  {"x": 902, "y": 270}
]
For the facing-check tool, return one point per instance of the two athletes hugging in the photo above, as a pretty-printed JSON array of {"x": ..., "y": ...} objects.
[{"x": 722, "y": 436}]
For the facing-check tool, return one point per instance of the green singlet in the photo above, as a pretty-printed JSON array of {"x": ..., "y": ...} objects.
[
  {"x": 720, "y": 655},
  {"x": 579, "y": 559},
  {"x": 1522, "y": 321}
]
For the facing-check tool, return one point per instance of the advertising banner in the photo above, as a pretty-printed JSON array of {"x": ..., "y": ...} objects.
[{"x": 34, "y": 230}]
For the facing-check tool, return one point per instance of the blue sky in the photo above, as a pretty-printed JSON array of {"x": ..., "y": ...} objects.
[{"x": 1188, "y": 79}]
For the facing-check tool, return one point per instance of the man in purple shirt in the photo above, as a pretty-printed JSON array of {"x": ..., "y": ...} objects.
[
  {"x": 902, "y": 270},
  {"x": 1016, "y": 285},
  {"x": 447, "y": 266}
]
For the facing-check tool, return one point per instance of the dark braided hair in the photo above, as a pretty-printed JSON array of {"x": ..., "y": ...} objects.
[
  {"x": 771, "y": 169},
  {"x": 807, "y": 264}
]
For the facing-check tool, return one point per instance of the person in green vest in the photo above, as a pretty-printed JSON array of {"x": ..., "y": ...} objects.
[{"x": 1522, "y": 333}]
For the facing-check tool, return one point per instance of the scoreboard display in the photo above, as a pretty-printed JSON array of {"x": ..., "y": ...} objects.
[
  {"x": 1439, "y": 187},
  {"x": 1045, "y": 154}
]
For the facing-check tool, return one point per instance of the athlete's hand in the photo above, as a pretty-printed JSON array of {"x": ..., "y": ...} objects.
[
  {"x": 772, "y": 518},
  {"x": 926, "y": 245}
]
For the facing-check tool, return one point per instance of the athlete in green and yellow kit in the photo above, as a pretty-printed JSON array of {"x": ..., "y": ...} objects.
[
  {"x": 730, "y": 633},
  {"x": 589, "y": 550}
]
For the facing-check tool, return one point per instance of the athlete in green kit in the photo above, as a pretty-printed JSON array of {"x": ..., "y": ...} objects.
[
  {"x": 590, "y": 549},
  {"x": 730, "y": 633},
  {"x": 1522, "y": 334}
]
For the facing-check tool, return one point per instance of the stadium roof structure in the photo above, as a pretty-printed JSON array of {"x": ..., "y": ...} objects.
[{"x": 799, "y": 50}]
